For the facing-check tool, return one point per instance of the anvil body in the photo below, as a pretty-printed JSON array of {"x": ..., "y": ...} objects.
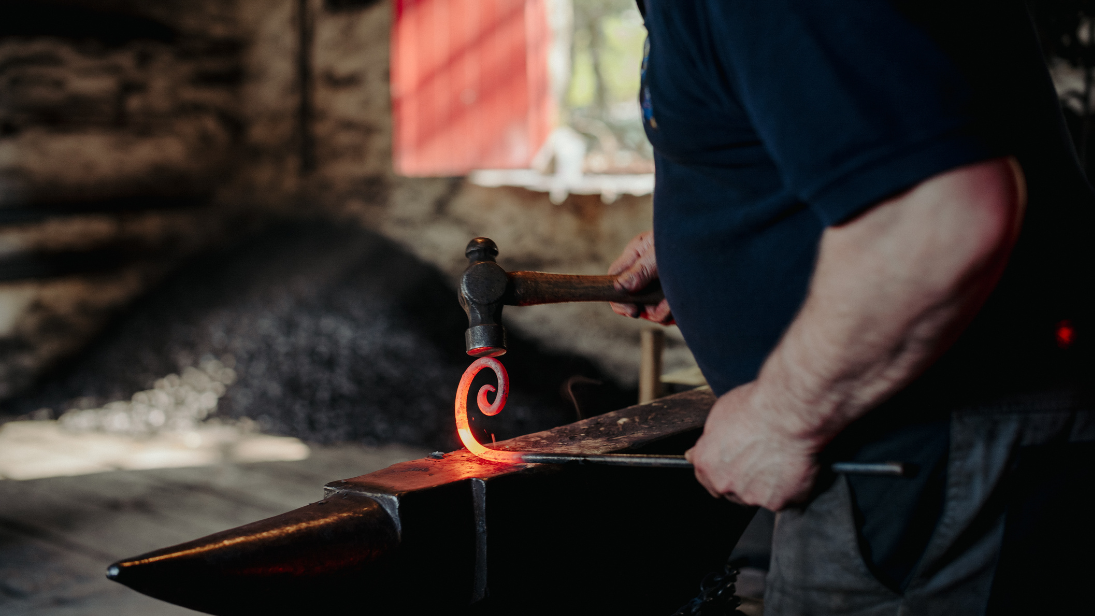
[{"x": 462, "y": 535}]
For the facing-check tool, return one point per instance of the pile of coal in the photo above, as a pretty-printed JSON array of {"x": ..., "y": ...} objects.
[{"x": 325, "y": 332}]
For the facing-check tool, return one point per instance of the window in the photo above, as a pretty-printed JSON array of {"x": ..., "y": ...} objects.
[{"x": 470, "y": 85}]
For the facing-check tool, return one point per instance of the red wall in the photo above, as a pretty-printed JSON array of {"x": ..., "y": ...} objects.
[{"x": 470, "y": 84}]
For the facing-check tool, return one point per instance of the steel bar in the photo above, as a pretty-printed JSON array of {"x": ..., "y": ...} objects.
[
  {"x": 895, "y": 469},
  {"x": 613, "y": 459}
]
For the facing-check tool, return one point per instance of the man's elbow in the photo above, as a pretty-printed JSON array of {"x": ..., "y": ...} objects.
[
  {"x": 993, "y": 198},
  {"x": 962, "y": 223},
  {"x": 944, "y": 234}
]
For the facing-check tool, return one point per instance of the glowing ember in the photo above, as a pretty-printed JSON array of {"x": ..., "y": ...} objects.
[
  {"x": 487, "y": 408},
  {"x": 1065, "y": 334}
]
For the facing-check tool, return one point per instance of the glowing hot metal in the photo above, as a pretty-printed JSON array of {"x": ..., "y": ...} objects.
[{"x": 487, "y": 408}]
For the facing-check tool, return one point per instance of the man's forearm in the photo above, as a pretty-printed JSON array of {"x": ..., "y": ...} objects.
[{"x": 891, "y": 291}]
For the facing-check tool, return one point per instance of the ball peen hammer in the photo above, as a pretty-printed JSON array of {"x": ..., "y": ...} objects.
[{"x": 485, "y": 288}]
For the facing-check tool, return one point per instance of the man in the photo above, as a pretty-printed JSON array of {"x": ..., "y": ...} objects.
[{"x": 875, "y": 237}]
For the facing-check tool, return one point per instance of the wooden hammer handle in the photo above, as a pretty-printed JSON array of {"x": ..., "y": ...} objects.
[{"x": 532, "y": 288}]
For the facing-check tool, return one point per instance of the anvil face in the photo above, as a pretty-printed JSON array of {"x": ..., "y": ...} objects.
[{"x": 464, "y": 535}]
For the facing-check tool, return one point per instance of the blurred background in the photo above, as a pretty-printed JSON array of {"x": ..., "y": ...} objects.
[
  {"x": 283, "y": 189},
  {"x": 230, "y": 232}
]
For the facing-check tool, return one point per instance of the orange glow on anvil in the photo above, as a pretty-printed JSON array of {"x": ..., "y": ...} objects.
[{"x": 489, "y": 409}]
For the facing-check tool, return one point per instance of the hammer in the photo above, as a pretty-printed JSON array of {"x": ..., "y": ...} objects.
[{"x": 485, "y": 287}]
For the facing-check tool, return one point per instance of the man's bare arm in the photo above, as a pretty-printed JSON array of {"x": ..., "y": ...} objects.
[{"x": 891, "y": 291}]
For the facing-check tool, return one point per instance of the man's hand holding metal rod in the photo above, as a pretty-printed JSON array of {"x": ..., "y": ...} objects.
[{"x": 891, "y": 290}]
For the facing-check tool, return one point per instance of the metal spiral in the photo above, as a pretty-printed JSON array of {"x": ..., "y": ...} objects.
[{"x": 486, "y": 407}]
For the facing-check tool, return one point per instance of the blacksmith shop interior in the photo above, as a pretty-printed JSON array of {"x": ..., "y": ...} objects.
[{"x": 235, "y": 291}]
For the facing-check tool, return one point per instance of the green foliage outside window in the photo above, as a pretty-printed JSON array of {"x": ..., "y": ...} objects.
[{"x": 602, "y": 99}]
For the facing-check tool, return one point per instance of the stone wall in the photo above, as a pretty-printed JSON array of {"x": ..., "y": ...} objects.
[
  {"x": 127, "y": 100},
  {"x": 119, "y": 123}
]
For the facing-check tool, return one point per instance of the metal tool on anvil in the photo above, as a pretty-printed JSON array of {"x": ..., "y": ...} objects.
[{"x": 485, "y": 288}]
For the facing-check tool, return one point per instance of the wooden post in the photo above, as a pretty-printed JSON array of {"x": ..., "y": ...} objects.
[
  {"x": 306, "y": 106},
  {"x": 650, "y": 365}
]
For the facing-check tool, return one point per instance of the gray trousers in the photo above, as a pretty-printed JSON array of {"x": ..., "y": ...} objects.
[{"x": 817, "y": 566}]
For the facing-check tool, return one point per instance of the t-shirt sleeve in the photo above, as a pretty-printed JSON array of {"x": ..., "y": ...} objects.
[{"x": 852, "y": 100}]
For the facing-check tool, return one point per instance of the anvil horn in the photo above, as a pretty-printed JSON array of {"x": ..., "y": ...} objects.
[
  {"x": 460, "y": 534},
  {"x": 275, "y": 565}
]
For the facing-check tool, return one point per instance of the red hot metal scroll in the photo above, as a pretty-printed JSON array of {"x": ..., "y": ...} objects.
[{"x": 487, "y": 408}]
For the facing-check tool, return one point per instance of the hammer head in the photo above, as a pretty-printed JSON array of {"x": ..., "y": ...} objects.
[{"x": 482, "y": 288}]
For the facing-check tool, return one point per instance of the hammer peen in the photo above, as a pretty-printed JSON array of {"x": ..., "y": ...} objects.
[{"x": 485, "y": 287}]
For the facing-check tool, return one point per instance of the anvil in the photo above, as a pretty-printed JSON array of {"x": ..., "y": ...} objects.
[{"x": 459, "y": 534}]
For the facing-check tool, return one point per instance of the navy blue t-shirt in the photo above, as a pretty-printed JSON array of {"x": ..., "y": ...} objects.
[{"x": 773, "y": 119}]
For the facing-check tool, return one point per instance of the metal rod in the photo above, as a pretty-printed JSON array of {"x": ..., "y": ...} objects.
[
  {"x": 897, "y": 469},
  {"x": 892, "y": 469},
  {"x": 614, "y": 459}
]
